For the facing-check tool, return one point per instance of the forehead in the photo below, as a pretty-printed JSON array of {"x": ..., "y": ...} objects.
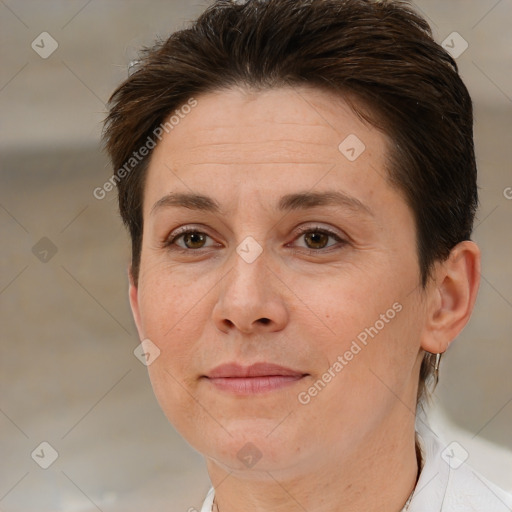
[
  {"x": 267, "y": 140},
  {"x": 299, "y": 113}
]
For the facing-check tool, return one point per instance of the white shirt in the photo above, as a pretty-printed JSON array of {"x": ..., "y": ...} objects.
[{"x": 446, "y": 483}]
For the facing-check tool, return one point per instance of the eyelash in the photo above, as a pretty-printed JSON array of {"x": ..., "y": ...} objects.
[{"x": 169, "y": 243}]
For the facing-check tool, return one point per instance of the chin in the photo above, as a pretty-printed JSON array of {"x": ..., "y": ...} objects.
[{"x": 249, "y": 446}]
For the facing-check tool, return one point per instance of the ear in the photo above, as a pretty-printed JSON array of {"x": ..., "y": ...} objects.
[
  {"x": 451, "y": 297},
  {"x": 133, "y": 293}
]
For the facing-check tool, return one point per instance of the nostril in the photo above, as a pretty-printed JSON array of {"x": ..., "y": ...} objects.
[{"x": 264, "y": 320}]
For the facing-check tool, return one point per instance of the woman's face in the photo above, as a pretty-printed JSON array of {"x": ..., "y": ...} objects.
[{"x": 324, "y": 287}]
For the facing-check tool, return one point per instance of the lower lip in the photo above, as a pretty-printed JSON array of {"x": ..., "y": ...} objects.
[{"x": 254, "y": 385}]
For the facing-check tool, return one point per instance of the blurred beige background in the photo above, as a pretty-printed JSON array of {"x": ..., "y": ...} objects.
[{"x": 68, "y": 373}]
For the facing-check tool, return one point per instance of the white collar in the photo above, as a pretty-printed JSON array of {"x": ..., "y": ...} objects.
[{"x": 208, "y": 502}]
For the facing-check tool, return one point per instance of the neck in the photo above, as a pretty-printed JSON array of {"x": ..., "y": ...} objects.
[{"x": 379, "y": 476}]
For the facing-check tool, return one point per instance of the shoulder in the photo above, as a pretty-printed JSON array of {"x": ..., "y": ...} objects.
[{"x": 448, "y": 484}]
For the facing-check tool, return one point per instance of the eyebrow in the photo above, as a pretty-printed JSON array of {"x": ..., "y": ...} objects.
[{"x": 289, "y": 202}]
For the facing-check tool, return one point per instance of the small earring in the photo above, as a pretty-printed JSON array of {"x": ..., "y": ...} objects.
[
  {"x": 436, "y": 367},
  {"x": 436, "y": 364}
]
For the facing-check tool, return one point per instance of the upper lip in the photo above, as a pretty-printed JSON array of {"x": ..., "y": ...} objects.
[{"x": 255, "y": 370}]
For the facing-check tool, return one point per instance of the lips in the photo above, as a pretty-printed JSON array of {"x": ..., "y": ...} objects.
[
  {"x": 234, "y": 370},
  {"x": 257, "y": 378}
]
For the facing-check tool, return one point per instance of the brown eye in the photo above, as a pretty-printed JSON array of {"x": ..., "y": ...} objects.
[
  {"x": 316, "y": 239},
  {"x": 194, "y": 239},
  {"x": 188, "y": 240}
]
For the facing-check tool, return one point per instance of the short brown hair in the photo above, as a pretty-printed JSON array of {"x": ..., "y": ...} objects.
[{"x": 380, "y": 53}]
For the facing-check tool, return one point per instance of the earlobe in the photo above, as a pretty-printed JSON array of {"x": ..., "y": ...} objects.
[
  {"x": 452, "y": 296},
  {"x": 134, "y": 302}
]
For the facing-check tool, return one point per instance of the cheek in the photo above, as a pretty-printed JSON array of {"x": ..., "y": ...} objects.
[
  {"x": 168, "y": 302},
  {"x": 377, "y": 348},
  {"x": 372, "y": 323},
  {"x": 353, "y": 302},
  {"x": 171, "y": 319}
]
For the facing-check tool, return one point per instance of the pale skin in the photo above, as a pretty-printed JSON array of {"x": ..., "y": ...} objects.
[{"x": 351, "y": 448}]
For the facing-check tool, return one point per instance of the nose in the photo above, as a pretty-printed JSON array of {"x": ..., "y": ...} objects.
[{"x": 250, "y": 299}]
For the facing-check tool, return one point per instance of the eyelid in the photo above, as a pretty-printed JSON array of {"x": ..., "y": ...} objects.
[{"x": 317, "y": 227}]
